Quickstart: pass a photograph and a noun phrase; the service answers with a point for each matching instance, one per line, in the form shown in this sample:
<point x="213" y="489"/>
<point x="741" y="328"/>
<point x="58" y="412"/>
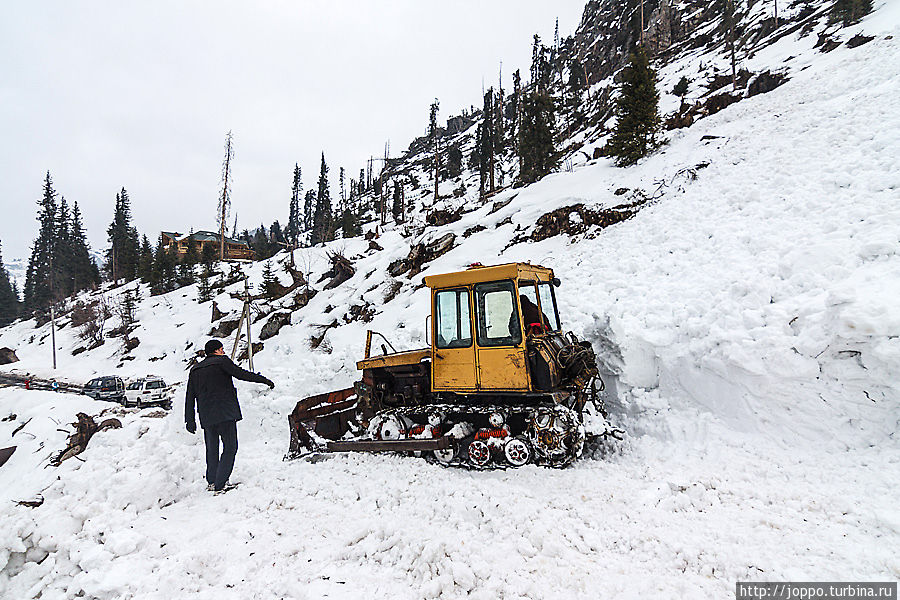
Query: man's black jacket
<point x="210" y="385"/>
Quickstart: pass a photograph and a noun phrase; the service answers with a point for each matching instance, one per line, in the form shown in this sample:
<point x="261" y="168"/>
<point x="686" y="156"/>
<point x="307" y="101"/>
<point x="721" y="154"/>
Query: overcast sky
<point x="115" y="94"/>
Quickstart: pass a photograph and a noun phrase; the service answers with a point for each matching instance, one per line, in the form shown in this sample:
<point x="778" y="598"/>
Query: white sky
<point x="111" y="94"/>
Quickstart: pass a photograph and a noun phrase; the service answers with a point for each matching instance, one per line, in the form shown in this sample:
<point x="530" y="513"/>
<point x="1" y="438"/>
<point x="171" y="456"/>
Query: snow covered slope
<point x="747" y="316"/>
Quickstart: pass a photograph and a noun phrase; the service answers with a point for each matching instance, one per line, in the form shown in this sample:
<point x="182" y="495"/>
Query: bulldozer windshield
<point x="497" y="314"/>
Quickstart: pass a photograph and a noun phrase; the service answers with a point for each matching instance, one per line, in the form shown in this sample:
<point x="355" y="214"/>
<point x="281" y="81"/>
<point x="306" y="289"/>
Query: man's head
<point x="214" y="347"/>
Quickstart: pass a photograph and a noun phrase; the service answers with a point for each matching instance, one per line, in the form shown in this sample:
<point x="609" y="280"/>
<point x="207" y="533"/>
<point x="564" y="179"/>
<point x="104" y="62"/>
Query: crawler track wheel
<point x="479" y="453"/>
<point x="518" y="452"/>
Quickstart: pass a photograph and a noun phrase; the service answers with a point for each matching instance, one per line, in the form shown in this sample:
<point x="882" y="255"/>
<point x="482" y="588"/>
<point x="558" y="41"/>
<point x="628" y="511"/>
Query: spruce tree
<point x="269" y="281"/>
<point x="309" y="209"/>
<point x="295" y="224"/>
<point x="145" y="263"/>
<point x="62" y="252"/>
<point x="83" y="270"/>
<point x="187" y="273"/>
<point x="537" y="149"/>
<point x="209" y="255"/>
<point x="40" y="263"/>
<point x="122" y="255"/>
<point x="349" y="224"/>
<point x="321" y="231"/>
<point x="9" y="298"/>
<point x="637" y="110"/>
<point x="204" y="288"/>
<point x="849" y="12"/>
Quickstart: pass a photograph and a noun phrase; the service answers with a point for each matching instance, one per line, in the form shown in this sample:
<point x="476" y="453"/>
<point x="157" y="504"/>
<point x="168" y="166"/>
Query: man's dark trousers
<point x="218" y="469"/>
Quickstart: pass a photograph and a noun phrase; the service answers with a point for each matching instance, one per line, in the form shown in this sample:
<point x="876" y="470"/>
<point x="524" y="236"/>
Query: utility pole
<point x="225" y="198"/>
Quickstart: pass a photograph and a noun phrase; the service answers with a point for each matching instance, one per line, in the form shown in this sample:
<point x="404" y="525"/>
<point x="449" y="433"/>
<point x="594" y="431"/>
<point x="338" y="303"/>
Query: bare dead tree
<point x="729" y="10"/>
<point x="225" y="196"/>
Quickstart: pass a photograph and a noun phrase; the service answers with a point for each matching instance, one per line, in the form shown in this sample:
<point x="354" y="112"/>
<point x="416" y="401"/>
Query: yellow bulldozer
<point x="499" y="384"/>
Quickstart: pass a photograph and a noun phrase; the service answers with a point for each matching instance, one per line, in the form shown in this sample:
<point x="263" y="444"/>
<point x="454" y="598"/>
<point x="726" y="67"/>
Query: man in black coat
<point x="210" y="385"/>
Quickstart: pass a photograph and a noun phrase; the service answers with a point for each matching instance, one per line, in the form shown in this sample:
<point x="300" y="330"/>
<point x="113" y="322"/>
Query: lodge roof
<point x="202" y="236"/>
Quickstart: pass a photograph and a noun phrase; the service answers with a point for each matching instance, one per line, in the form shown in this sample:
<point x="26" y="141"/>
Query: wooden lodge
<point x="234" y="249"/>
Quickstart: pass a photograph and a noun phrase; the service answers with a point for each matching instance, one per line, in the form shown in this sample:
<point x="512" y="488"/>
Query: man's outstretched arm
<point x="244" y="375"/>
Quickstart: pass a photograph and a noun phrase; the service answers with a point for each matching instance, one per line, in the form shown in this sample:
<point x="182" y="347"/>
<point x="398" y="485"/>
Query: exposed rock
<point x="765" y="82"/>
<point x="302" y="298"/>
<point x="216" y="313"/>
<point x="473" y="230"/>
<point x="373" y="245"/>
<point x="719" y="102"/>
<point x="257" y="348"/>
<point x="576" y="219"/>
<point x="826" y="43"/>
<point x="360" y="312"/>
<point x="438" y="218"/>
<point x="858" y="40"/>
<point x="131" y="343"/>
<point x="225" y="328"/>
<point x="274" y="324"/>
<point x="500" y="204"/>
<point x="341" y="270"/>
<point x="7" y="356"/>
<point x="421" y="253"/>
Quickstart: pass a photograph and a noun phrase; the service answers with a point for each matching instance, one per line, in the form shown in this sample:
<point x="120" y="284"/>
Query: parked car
<point x="146" y="391"/>
<point x="108" y="387"/>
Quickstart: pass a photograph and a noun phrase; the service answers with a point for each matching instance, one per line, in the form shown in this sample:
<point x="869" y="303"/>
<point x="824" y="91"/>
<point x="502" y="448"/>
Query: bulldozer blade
<point x="327" y="410"/>
<point x="390" y="445"/>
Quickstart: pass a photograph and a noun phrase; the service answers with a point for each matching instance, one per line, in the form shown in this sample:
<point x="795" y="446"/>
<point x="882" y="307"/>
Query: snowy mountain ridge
<point x="746" y="317"/>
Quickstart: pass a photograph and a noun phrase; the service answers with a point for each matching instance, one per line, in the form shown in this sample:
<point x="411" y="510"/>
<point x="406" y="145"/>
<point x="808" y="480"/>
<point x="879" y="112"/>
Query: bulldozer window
<point x="453" y="323"/>
<point x="497" y="316"/>
<point x="548" y="306"/>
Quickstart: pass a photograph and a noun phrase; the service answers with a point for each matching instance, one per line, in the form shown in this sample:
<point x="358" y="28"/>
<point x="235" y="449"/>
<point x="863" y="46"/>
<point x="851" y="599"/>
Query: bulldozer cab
<point x="481" y="320"/>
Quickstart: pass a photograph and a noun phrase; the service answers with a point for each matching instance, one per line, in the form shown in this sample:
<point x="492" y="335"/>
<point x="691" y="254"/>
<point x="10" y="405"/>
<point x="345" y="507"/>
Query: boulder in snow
<point x="7" y="356"/>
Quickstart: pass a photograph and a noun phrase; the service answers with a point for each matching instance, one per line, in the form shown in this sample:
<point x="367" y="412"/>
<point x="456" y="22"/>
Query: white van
<point x="147" y="391"/>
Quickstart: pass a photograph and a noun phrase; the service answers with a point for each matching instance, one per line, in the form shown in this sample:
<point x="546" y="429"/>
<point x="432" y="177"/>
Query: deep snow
<point x="749" y="316"/>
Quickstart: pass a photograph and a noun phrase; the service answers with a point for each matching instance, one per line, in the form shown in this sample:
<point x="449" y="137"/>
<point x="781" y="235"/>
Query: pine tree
<point x="276" y="236"/>
<point x="322" y="229"/>
<point x="349" y="224"/>
<point x="681" y="88"/>
<point x="187" y="266"/>
<point x="122" y="255"/>
<point x="270" y="283"/>
<point x="294" y="224"/>
<point x="260" y="243"/>
<point x="309" y="209"/>
<point x="83" y="271"/>
<point x="38" y="287"/>
<point x="637" y="110"/>
<point x="164" y="269"/>
<point x="537" y="149"/>
<point x="9" y="298"/>
<point x="486" y="143"/>
<point x="209" y="256"/>
<point x="849" y="12"/>
<point x="145" y="263"/>
<point x="204" y="289"/>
